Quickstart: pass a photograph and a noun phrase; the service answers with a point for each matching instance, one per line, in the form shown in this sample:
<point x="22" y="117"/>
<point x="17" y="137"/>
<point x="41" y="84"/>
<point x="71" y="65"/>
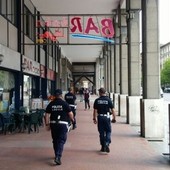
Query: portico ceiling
<point x="78" y="53"/>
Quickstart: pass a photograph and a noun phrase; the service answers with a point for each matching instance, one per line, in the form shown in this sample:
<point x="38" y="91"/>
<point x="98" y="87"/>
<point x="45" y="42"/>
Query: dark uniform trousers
<point x="74" y="113"/>
<point x="104" y="128"/>
<point x="59" y="136"/>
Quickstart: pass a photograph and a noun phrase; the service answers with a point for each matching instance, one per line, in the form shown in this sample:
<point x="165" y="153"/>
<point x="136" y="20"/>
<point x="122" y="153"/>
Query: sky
<point x="164" y="21"/>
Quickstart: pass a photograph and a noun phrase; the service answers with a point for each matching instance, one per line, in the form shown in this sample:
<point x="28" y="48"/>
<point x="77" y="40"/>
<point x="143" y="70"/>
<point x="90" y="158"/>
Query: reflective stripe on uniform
<point x="59" y="122"/>
<point x="102" y="114"/>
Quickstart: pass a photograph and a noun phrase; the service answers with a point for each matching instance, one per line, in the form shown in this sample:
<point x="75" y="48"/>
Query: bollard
<point x="169" y="131"/>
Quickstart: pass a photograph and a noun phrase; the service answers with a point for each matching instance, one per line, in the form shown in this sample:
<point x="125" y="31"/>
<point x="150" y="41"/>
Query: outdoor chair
<point x="7" y="122"/>
<point x="41" y="113"/>
<point x="19" y="121"/>
<point x="1" y="123"/>
<point x="22" y="109"/>
<point x="33" y="120"/>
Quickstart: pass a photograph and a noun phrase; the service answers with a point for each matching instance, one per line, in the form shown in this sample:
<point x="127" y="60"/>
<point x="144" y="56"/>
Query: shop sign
<point x="30" y="66"/>
<point x="50" y="74"/>
<point x="101" y="30"/>
<point x="42" y="71"/>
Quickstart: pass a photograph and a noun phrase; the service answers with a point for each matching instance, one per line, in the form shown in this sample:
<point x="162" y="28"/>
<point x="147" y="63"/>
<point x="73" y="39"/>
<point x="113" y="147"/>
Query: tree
<point x="165" y="73"/>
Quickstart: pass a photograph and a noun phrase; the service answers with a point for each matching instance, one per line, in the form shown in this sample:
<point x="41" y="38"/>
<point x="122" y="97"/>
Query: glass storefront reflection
<point x="7" y="93"/>
<point x="27" y="90"/>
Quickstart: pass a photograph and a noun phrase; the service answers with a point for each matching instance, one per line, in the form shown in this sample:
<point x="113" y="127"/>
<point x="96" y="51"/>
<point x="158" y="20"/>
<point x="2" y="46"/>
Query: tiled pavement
<point x="22" y="151"/>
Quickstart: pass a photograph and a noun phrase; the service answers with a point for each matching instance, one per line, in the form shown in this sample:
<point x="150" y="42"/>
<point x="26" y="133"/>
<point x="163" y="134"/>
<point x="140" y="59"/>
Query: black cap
<point x="58" y="92"/>
<point x="102" y="90"/>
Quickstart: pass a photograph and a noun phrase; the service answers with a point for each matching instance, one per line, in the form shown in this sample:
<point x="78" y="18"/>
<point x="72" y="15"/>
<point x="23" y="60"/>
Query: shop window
<point x="7" y="93"/>
<point x="35" y="92"/>
<point x="29" y="24"/>
<point x="48" y="88"/>
<point x="27" y="90"/>
<point x="11" y="11"/>
<point x="8" y="10"/>
<point x="3" y="7"/>
<point x="30" y="90"/>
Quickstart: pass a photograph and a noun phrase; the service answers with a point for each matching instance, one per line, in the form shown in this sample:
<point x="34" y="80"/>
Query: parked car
<point x="167" y="90"/>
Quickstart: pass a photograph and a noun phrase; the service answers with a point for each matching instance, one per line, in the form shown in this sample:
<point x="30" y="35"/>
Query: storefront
<point x="9" y="79"/>
<point x="51" y="83"/>
<point x="43" y="82"/>
<point x="7" y="92"/>
<point x="31" y="80"/>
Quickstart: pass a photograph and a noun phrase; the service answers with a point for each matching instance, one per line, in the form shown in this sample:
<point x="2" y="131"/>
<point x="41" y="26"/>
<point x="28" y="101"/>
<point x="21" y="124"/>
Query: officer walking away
<point x="103" y="107"/>
<point x="81" y="94"/>
<point x="70" y="98"/>
<point x="87" y="99"/>
<point x="57" y="117"/>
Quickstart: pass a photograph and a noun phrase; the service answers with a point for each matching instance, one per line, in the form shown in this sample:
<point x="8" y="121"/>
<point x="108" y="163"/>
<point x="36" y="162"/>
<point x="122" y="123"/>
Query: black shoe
<point x="103" y="149"/>
<point x="57" y="161"/>
<point x="107" y="149"/>
<point x="74" y="126"/>
<point x="113" y="121"/>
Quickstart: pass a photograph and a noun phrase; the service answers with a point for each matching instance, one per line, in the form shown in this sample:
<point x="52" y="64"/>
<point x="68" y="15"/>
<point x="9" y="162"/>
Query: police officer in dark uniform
<point x="103" y="108"/>
<point x="70" y="98"/>
<point x="58" y="116"/>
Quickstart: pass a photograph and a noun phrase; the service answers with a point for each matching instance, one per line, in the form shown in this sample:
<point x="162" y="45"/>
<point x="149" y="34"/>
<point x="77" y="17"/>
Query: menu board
<point x="36" y="103"/>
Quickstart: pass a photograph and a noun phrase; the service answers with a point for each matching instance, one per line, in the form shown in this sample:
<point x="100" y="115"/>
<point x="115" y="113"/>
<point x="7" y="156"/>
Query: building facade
<point x="164" y="53"/>
<point x="27" y="70"/>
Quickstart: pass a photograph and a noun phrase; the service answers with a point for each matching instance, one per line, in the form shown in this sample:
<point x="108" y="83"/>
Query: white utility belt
<point x="102" y="115"/>
<point x="106" y="115"/>
<point x="59" y="122"/>
<point x="72" y="105"/>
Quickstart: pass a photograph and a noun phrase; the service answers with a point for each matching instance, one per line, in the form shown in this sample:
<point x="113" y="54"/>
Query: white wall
<point x="3" y="31"/>
<point x="42" y="56"/>
<point x="13" y="37"/>
<point x="29" y="49"/>
<point x="11" y="58"/>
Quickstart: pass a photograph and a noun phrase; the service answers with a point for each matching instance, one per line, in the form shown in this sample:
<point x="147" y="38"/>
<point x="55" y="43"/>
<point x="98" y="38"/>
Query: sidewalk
<point x="34" y="151"/>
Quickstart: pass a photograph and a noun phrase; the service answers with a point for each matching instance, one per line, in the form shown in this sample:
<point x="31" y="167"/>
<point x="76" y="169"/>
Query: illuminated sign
<point x="50" y="74"/>
<point x="78" y="27"/>
<point x="31" y="66"/>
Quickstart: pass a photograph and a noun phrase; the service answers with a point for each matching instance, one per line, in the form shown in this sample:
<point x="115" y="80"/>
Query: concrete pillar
<point x="134" y="57"/>
<point x="100" y="70"/>
<point x="123" y="55"/>
<point x="105" y="66"/>
<point x="108" y="71"/>
<point x="116" y="103"/>
<point x="133" y="110"/>
<point x="123" y="105"/>
<point x="150" y="49"/>
<point x="116" y="61"/>
<point x="112" y="78"/>
<point x="98" y="78"/>
<point x="124" y="76"/>
<point x="152" y="119"/>
<point x="99" y="73"/>
<point x="116" y="70"/>
<point x="123" y="65"/>
<point x="152" y="124"/>
<point x="134" y="61"/>
<point x="64" y="74"/>
<point x="102" y="75"/>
